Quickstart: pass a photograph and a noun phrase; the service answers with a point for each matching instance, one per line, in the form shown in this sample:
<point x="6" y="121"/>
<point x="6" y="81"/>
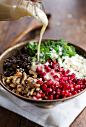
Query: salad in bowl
<point x="59" y="75"/>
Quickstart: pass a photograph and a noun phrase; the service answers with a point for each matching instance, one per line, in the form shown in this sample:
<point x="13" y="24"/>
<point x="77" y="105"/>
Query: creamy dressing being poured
<point x="41" y="16"/>
<point x="15" y="9"/>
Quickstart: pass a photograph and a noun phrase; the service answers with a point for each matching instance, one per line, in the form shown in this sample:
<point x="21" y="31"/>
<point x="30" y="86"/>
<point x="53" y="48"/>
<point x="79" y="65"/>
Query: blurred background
<point x="68" y="21"/>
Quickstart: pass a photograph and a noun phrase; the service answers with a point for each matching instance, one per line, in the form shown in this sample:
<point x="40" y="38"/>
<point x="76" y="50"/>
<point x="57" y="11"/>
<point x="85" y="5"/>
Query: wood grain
<point x="68" y="21"/>
<point x="35" y="24"/>
<point x="27" y="123"/>
<point x="8" y="118"/>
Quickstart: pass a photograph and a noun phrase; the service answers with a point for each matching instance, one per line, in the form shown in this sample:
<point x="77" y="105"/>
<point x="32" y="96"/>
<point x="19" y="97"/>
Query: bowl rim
<point x="26" y="98"/>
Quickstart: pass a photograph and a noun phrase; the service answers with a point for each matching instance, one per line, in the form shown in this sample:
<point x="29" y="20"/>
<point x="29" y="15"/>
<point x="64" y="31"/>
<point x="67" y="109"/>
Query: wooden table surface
<point x="68" y="20"/>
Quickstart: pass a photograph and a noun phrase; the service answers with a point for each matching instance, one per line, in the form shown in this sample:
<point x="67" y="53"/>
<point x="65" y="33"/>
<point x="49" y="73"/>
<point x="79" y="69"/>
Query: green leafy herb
<point x="50" y="50"/>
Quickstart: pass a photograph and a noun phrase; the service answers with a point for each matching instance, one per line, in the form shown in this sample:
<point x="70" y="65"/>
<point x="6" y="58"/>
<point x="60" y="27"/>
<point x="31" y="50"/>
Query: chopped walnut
<point x="34" y="75"/>
<point x="22" y="84"/>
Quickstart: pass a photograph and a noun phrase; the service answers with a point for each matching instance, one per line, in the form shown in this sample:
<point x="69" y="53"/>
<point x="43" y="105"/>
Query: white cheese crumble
<point x="47" y="63"/>
<point x="41" y="66"/>
<point x="53" y="54"/>
<point x="34" y="66"/>
<point x="60" y="48"/>
<point x="76" y="64"/>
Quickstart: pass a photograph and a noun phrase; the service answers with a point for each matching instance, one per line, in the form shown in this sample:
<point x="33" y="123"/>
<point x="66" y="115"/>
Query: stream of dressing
<point x="13" y="10"/>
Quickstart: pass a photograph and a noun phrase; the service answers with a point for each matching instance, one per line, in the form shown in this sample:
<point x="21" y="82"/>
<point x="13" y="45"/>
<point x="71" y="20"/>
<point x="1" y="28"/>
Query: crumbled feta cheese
<point x="34" y="66"/>
<point x="76" y="64"/>
<point x="54" y="54"/>
<point x="60" y="48"/>
<point x="60" y="53"/>
<point x="47" y="63"/>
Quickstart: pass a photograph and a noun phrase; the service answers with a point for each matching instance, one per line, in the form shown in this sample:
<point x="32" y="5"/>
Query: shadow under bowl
<point x="40" y="103"/>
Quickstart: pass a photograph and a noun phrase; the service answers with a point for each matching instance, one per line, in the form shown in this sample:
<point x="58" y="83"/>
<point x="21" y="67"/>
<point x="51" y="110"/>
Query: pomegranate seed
<point x="38" y="96"/>
<point x="45" y="66"/>
<point x="67" y="72"/>
<point x="44" y="87"/>
<point x="61" y="70"/>
<point x="52" y="93"/>
<point x="66" y="93"/>
<point x="78" y="91"/>
<point x="64" y="88"/>
<point x="70" y="94"/>
<point x="50" y="82"/>
<point x="53" y="89"/>
<point x="64" y="96"/>
<point x="44" y="78"/>
<point x="56" y="79"/>
<point x="58" y="93"/>
<point x="69" y="78"/>
<point x="46" y="93"/>
<point x="84" y="80"/>
<point x="37" y="69"/>
<point x="56" y="84"/>
<point x="49" y="90"/>
<point x="62" y="82"/>
<point x="50" y="97"/>
<point x="71" y="89"/>
<point x="61" y="76"/>
<point x="82" y="86"/>
<point x="74" y="84"/>
<point x="77" y="87"/>
<point x="74" y="92"/>
<point x="34" y="98"/>
<point x="81" y="89"/>
<point x="40" y="72"/>
<point x="43" y="95"/>
<point x="79" y="83"/>
<point x="75" y="80"/>
<point x="63" y="92"/>
<point x="57" y="90"/>
<point x="57" y="69"/>
<point x="48" y="69"/>
<point x="66" y="75"/>
<point x="41" y="67"/>
<point x="54" y="62"/>
<point x="65" y="78"/>
<point x="56" y="96"/>
<point x="60" y="86"/>
<point x="54" y="66"/>
<point x="64" y="72"/>
<point x="73" y="76"/>
<point x="49" y="61"/>
<point x="85" y="83"/>
<point x="53" y="86"/>
<point x="67" y="85"/>
<point x="43" y="73"/>
<point x="39" y="82"/>
<point x="71" y="85"/>
<point x="78" y="80"/>
<point x="55" y="76"/>
<point x="52" y="72"/>
<point x="40" y="76"/>
<point x="69" y="81"/>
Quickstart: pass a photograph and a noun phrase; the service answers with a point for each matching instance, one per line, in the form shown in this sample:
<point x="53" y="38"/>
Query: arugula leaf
<point x="32" y="48"/>
<point x="61" y="49"/>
